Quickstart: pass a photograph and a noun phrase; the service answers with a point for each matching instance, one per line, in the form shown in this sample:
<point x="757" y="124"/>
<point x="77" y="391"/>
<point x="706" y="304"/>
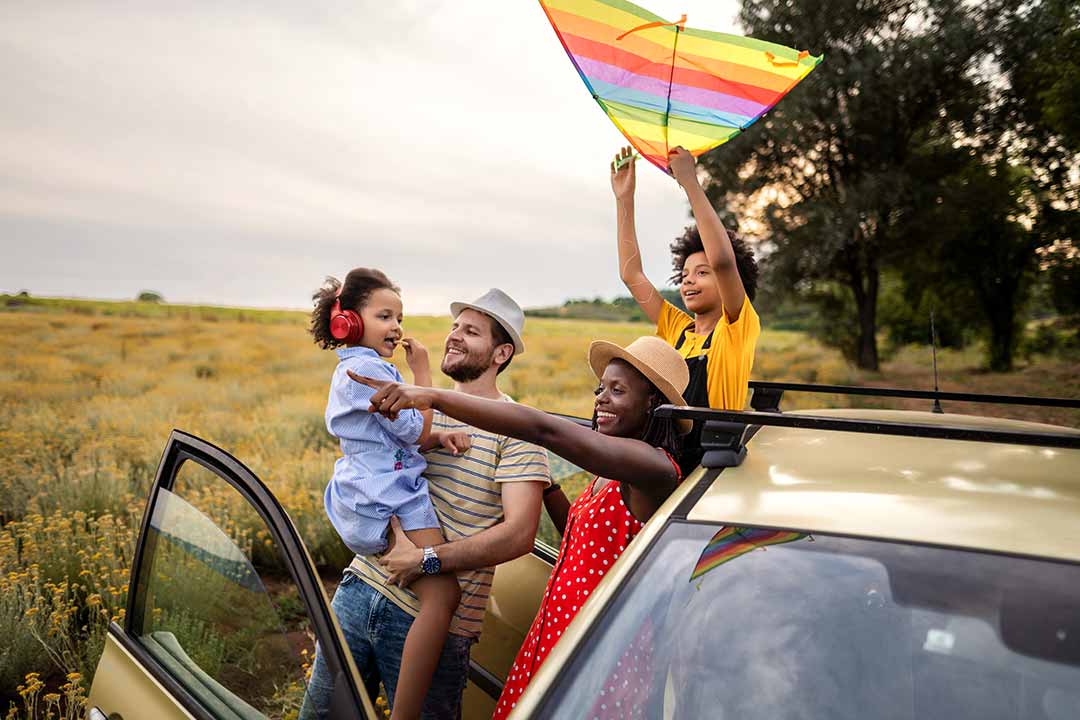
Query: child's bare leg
<point x="439" y="596"/>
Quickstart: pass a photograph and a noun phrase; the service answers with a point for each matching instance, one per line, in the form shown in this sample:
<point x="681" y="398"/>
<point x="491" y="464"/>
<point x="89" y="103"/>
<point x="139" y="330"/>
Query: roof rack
<point x="767" y="395"/>
<point x="726" y="432"/>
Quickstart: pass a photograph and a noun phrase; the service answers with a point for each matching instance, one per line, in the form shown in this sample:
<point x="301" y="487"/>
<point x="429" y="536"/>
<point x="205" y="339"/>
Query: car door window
<point x="217" y="604"/>
<point x="573" y="480"/>
<point x="231" y="634"/>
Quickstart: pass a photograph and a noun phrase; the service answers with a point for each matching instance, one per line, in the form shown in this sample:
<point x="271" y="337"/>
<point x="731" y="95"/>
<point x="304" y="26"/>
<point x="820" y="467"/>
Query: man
<point x="488" y="500"/>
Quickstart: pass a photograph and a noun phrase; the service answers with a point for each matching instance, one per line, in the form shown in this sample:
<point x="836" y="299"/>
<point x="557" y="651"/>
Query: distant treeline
<point x="24" y="302"/>
<point x="620" y="309"/>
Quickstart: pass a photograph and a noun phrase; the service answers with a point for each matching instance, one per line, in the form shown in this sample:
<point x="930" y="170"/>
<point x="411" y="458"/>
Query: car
<point x="820" y="564"/>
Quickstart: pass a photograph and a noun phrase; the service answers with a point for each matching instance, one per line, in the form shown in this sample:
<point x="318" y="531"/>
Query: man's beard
<point x="468" y="369"/>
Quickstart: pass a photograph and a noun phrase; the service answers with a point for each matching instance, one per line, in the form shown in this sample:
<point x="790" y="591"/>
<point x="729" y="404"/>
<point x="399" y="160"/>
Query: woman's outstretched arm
<point x="625" y="460"/>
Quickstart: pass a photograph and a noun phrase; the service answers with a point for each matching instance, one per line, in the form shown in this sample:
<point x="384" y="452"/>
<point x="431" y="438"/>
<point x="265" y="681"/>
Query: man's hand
<point x="623" y="179"/>
<point x="402" y="560"/>
<point x="455" y="441"/>
<point x="390" y="398"/>
<point x="416" y="355"/>
<point x="683" y="167"/>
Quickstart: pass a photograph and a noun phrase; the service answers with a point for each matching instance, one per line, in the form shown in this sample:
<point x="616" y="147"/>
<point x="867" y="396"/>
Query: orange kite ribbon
<point x="681" y="22"/>
<point x="786" y="63"/>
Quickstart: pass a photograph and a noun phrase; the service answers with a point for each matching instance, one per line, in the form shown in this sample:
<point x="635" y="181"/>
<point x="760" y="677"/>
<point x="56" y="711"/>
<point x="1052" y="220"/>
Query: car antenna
<point x="933" y="349"/>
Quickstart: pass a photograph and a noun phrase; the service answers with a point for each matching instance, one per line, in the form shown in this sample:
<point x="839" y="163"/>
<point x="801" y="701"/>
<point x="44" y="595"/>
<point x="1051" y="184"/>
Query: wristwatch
<point x="430" y="565"/>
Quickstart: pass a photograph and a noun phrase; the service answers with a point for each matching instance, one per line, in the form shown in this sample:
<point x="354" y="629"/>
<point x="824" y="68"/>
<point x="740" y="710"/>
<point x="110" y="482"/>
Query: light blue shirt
<point x="379" y="472"/>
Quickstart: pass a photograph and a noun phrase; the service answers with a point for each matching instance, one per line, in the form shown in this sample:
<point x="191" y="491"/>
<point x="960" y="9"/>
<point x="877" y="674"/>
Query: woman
<point x="632" y="452"/>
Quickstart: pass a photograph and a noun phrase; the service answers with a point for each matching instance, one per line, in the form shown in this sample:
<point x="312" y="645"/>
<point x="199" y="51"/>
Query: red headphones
<point x="345" y="325"/>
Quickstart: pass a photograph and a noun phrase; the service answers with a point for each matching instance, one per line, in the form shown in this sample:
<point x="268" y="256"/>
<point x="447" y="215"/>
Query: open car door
<point x="224" y="606"/>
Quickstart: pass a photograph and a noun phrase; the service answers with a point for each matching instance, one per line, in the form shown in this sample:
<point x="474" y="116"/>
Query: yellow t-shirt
<point x="730" y="356"/>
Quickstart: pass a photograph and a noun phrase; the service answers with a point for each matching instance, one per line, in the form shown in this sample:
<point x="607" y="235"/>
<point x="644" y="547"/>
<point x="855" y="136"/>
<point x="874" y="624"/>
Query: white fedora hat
<point x="500" y="306"/>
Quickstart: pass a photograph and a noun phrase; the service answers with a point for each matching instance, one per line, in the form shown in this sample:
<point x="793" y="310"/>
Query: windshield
<point x="723" y="622"/>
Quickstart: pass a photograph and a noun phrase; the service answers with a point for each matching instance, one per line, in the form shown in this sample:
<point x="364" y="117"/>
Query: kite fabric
<point x="664" y="84"/>
<point x="731" y="542"/>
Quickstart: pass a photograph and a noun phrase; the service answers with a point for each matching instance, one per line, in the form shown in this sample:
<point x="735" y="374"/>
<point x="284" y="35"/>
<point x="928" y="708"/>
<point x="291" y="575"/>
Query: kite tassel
<point x="681" y="22"/>
<point x="786" y="63"/>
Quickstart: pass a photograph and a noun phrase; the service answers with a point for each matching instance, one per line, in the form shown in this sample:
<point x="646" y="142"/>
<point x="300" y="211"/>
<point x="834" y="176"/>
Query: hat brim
<point x="602" y="352"/>
<point x="519" y="346"/>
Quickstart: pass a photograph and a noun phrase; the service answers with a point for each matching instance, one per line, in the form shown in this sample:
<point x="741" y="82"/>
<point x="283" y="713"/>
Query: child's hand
<point x="416" y="354"/>
<point x="683" y="167"/>
<point x="623" y="179"/>
<point x="456" y="442"/>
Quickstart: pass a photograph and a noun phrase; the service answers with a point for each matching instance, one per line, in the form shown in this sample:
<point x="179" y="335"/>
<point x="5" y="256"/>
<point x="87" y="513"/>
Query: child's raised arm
<point x="718" y="249"/>
<point x="623" y="182"/>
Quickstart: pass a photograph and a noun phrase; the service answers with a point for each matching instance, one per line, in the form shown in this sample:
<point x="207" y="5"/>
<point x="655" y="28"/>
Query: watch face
<point x="431" y="564"/>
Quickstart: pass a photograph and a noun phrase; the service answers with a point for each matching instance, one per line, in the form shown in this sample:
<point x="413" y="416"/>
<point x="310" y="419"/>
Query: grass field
<point x="89" y="391"/>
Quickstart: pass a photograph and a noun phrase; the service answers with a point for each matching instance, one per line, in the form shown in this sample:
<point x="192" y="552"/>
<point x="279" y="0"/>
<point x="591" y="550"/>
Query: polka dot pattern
<point x="598" y="529"/>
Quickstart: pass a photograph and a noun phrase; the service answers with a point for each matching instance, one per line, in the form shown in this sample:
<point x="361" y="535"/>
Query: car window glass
<point x="791" y="625"/>
<point x="217" y="609"/>
<point x="573" y="480"/>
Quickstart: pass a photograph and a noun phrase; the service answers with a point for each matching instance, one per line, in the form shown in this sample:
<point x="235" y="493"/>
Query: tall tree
<point x="1035" y="118"/>
<point x="970" y="220"/>
<point x="832" y="162"/>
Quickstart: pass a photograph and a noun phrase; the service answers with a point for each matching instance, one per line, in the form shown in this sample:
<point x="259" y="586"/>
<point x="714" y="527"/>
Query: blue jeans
<point x="375" y="631"/>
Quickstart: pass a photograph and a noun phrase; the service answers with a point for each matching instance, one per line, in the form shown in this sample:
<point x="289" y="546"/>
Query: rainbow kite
<point x="731" y="542"/>
<point x="664" y="84"/>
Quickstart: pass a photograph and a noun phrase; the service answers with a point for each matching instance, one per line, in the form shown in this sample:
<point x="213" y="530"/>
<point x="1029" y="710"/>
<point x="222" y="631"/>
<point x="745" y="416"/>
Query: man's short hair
<point x="501" y="337"/>
<point x="690" y="242"/>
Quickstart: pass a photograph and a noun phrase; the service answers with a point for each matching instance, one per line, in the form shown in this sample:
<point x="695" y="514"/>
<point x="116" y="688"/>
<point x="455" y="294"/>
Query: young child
<point x="717" y="277"/>
<point x="379" y="473"/>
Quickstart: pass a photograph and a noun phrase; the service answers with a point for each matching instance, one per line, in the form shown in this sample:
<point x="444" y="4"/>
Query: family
<point x="434" y="488"/>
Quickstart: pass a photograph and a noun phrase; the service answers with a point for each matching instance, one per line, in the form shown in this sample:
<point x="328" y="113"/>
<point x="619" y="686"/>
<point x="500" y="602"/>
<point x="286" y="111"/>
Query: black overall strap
<point x="682" y="338"/>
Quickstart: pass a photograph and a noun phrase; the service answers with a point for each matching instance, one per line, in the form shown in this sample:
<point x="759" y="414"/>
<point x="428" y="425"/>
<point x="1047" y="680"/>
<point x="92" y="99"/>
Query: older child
<point x="379" y="474"/>
<point x="717" y="277"/>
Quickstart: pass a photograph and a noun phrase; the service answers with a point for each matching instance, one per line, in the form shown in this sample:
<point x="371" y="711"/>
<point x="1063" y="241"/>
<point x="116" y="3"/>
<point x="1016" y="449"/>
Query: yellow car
<point x="826" y="564"/>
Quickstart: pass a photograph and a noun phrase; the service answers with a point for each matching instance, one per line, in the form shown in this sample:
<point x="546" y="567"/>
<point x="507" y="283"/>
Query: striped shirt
<point x="467" y="497"/>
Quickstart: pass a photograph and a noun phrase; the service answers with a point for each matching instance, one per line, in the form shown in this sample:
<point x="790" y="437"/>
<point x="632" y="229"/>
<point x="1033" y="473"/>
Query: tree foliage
<point x="933" y="146"/>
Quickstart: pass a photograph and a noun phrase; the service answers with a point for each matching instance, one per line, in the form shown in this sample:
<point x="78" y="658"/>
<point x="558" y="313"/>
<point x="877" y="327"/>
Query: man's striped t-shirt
<point x="467" y="497"/>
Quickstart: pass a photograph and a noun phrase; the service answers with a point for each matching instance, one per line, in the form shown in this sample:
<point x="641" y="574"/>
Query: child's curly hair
<point x="690" y="242"/>
<point x="354" y="294"/>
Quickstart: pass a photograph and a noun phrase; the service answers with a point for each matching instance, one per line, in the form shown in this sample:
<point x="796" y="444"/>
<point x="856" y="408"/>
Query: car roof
<point x="1005" y="498"/>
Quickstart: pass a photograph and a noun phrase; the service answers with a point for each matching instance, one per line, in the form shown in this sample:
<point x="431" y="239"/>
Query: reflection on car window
<point x="217" y="609"/>
<point x="756" y="623"/>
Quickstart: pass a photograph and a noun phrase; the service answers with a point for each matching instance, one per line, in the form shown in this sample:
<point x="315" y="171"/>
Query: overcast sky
<point x="236" y="153"/>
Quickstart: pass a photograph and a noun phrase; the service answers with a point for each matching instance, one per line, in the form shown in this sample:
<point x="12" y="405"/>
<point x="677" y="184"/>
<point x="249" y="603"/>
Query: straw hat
<point x="653" y="358"/>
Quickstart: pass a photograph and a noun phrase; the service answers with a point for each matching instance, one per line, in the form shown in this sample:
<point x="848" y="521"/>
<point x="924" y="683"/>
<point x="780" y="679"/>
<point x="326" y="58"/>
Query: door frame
<point x="182" y="447"/>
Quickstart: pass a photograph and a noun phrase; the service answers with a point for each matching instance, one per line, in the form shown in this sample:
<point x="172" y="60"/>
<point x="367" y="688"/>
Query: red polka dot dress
<point x="598" y="529"/>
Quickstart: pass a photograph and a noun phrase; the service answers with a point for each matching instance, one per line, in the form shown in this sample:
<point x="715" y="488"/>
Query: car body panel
<point x="516" y="592"/>
<point x="1005" y="498"/>
<point x="124" y="688"/>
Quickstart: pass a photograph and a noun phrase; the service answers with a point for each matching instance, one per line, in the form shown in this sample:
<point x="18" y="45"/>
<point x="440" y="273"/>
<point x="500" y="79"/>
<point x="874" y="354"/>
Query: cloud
<point x="173" y="147"/>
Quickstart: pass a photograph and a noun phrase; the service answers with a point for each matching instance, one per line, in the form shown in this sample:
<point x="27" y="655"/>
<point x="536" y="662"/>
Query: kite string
<point x="671" y="79"/>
